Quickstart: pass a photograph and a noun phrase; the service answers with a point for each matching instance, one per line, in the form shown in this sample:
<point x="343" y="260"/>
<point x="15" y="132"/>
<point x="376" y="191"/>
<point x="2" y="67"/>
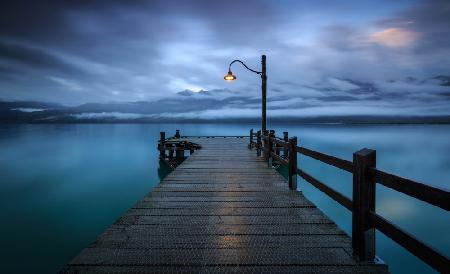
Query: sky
<point x="323" y="57"/>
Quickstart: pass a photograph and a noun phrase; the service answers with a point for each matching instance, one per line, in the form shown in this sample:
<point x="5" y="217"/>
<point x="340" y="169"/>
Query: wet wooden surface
<point x="222" y="210"/>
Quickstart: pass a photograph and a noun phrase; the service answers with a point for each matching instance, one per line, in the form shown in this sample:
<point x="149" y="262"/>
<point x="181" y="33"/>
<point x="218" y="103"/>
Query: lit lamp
<point x="231" y="77"/>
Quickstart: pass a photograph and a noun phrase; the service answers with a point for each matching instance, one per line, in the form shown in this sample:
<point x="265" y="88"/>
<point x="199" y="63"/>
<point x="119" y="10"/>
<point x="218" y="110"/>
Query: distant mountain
<point x="41" y="112"/>
<point x="232" y="106"/>
<point x="186" y="92"/>
<point x="149" y="112"/>
<point x="27" y="104"/>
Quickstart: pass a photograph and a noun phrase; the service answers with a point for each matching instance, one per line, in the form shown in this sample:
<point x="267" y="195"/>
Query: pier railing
<point x="365" y="220"/>
<point x="172" y="149"/>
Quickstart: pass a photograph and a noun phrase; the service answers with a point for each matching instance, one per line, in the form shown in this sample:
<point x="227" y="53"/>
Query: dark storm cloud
<point x="6" y="71"/>
<point x="98" y="30"/>
<point x="322" y="56"/>
<point x="32" y="57"/>
<point x="445" y="94"/>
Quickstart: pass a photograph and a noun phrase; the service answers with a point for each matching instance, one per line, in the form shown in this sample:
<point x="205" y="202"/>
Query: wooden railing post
<point x="177" y="134"/>
<point x="250" y="145"/>
<point x="363" y="234"/>
<point x="270" y="147"/>
<point x="265" y="145"/>
<point x="292" y="163"/>
<point x="162" y="149"/>
<point x="286" y="139"/>
<point x="258" y="143"/>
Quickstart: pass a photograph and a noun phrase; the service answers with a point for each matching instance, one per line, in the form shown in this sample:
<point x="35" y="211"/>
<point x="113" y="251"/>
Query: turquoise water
<point x="62" y="185"/>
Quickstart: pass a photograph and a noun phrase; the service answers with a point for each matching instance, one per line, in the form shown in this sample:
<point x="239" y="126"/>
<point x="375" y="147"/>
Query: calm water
<point x="62" y="185"/>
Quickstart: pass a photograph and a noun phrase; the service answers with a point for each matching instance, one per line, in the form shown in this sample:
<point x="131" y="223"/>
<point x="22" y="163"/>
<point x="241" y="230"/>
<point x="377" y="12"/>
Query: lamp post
<point x="231" y="77"/>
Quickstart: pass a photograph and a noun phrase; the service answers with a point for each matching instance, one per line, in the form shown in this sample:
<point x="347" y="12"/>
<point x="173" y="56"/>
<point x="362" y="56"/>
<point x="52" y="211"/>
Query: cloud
<point x="341" y="84"/>
<point x="70" y="84"/>
<point x="319" y="54"/>
<point x="180" y="84"/>
<point x="394" y="37"/>
<point x="28" y="109"/>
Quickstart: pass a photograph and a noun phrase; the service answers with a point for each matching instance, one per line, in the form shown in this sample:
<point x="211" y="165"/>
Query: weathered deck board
<point x="222" y="214"/>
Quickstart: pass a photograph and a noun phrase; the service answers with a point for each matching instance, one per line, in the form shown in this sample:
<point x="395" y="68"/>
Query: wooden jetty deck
<point x="222" y="210"/>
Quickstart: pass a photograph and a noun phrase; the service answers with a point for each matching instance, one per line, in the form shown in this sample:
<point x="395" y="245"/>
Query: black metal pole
<point x="263" y="86"/>
<point x="264" y="92"/>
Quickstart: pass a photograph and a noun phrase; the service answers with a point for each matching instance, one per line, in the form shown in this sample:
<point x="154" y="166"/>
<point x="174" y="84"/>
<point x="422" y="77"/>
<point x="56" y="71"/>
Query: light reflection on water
<point x="62" y="185"/>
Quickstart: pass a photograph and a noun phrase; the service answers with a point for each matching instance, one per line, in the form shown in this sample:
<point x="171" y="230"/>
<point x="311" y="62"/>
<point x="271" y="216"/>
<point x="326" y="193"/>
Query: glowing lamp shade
<point x="229" y="76"/>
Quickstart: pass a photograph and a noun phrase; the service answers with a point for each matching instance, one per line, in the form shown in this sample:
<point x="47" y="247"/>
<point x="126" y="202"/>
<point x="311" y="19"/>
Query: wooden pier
<point x="224" y="209"/>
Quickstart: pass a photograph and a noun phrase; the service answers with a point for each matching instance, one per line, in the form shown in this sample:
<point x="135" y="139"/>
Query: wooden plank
<point x="177" y="231"/>
<point x="226" y="211"/>
<point x="217" y="241"/>
<point x="166" y="203"/>
<point x="239" y="256"/>
<point x="222" y="210"/>
<point x="218" y="219"/>
<point x="281" y="269"/>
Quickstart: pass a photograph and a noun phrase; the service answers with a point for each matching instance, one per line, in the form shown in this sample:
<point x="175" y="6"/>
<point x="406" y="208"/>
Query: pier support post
<point x="258" y="143"/>
<point x="363" y="234"/>
<point x="162" y="149"/>
<point x="286" y="139"/>
<point x="250" y="145"/>
<point x="171" y="152"/>
<point x="276" y="147"/>
<point x="292" y="163"/>
<point x="265" y="144"/>
<point x="179" y="152"/>
<point x="270" y="147"/>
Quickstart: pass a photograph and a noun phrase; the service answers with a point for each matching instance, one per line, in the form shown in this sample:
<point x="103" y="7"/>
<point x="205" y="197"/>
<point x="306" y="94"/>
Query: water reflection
<point x="163" y="170"/>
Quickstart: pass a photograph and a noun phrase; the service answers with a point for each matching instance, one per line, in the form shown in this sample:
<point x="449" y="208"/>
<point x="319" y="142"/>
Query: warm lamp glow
<point x="229" y="76"/>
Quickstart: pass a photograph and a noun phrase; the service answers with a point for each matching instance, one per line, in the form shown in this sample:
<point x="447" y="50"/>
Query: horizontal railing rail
<point x="362" y="205"/>
<point x="206" y="136"/>
<point x="433" y="195"/>
<point x="279" y="159"/>
<point x="335" y="195"/>
<point x="280" y="142"/>
<point x="426" y="253"/>
<point x="331" y="160"/>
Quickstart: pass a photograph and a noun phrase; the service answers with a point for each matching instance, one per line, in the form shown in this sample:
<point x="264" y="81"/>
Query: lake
<point x="62" y="185"/>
